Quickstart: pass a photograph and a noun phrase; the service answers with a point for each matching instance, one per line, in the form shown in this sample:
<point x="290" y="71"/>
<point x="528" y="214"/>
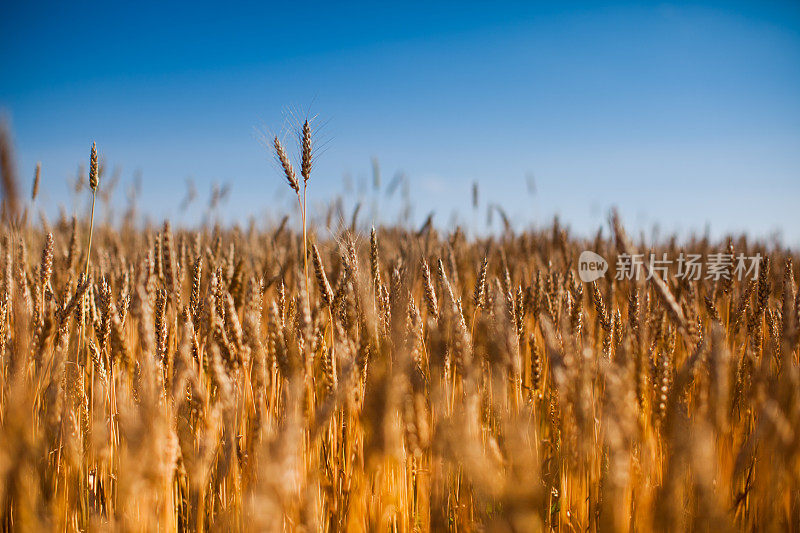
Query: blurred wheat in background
<point x="167" y="379"/>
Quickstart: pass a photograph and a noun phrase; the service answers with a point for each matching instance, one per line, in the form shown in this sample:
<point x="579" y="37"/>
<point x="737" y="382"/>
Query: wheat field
<point x="275" y="379"/>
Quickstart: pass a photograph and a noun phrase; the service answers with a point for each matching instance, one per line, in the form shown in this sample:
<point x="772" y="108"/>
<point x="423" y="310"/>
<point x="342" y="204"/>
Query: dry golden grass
<point x="200" y="380"/>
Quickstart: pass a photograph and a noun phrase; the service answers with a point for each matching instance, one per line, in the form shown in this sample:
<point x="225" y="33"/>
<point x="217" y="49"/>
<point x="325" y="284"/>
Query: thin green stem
<point x="91" y="231"/>
<point x="86" y="271"/>
<point x="305" y="240"/>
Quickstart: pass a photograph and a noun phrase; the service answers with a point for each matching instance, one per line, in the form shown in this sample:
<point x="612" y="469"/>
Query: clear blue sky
<point x="684" y="115"/>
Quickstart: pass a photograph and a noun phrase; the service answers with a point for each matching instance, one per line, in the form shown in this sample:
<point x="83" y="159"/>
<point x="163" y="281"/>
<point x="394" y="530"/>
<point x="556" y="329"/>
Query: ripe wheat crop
<point x="274" y="379"/>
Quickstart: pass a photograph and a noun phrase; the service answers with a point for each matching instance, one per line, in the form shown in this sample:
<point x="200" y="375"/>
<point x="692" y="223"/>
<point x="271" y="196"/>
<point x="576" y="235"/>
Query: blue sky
<point x="685" y="115"/>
